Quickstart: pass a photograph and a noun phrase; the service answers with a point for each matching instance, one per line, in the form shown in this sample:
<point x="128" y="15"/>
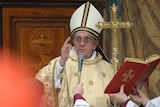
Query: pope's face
<point x="84" y="43"/>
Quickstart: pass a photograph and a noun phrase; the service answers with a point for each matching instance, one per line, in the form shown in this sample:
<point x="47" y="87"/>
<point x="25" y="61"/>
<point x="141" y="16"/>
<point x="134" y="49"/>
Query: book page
<point x="152" y="58"/>
<point x="135" y="60"/>
<point x="149" y="59"/>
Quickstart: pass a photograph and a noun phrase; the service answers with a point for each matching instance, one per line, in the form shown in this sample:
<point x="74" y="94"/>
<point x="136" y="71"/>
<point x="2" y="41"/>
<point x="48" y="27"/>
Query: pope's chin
<point x="81" y="53"/>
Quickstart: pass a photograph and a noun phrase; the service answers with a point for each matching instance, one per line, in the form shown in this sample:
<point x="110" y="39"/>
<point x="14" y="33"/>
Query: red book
<point x="133" y="73"/>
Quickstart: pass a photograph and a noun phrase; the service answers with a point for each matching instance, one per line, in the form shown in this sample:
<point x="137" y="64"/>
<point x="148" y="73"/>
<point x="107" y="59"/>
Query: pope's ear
<point x="96" y="44"/>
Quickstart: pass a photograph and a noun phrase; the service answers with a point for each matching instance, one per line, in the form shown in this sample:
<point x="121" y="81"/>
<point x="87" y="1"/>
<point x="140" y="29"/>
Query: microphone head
<point x="80" y="62"/>
<point x="80" y="57"/>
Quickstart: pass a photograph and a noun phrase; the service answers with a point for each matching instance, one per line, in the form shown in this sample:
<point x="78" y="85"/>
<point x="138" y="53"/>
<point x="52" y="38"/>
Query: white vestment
<point x="96" y="75"/>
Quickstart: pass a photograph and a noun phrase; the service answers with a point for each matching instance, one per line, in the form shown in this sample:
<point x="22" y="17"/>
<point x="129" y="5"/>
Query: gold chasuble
<point x="96" y="75"/>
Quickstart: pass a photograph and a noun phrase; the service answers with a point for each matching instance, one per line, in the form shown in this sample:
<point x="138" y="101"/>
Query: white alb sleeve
<point x="81" y="103"/>
<point x="58" y="73"/>
<point x="154" y="102"/>
<point x="131" y="104"/>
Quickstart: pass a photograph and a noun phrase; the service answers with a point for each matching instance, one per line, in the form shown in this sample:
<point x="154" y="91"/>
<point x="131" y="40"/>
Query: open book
<point x="133" y="73"/>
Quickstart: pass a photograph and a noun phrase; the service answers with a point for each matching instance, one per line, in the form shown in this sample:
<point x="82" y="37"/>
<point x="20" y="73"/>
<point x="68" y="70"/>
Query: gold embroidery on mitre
<point x="128" y="75"/>
<point x="85" y="14"/>
<point x="93" y="32"/>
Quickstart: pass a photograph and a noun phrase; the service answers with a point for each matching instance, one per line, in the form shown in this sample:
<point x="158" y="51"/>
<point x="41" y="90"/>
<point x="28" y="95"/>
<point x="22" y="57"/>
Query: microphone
<point x="80" y="62"/>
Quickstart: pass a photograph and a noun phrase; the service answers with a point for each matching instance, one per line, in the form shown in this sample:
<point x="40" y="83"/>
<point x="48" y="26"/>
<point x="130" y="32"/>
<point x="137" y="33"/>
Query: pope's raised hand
<point x="65" y="51"/>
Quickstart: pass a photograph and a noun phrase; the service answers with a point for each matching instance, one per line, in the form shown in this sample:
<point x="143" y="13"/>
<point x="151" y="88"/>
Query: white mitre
<point x="85" y="18"/>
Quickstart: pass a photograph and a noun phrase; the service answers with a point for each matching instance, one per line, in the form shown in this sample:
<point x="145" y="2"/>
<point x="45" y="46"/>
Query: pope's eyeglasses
<point x="85" y="40"/>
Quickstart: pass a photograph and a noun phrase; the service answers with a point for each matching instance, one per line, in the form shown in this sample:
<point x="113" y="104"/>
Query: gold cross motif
<point x="128" y="75"/>
<point x="115" y="25"/>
